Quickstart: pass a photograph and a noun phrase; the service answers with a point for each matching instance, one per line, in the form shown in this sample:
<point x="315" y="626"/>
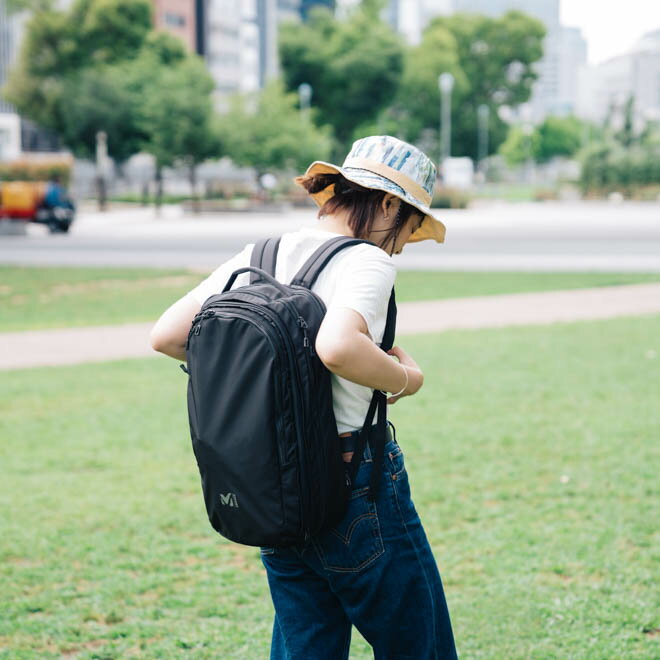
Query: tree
<point x="626" y="136"/>
<point x="65" y="81"/>
<point x="266" y="132"/>
<point x="520" y="146"/>
<point x="177" y="118"/>
<point x="492" y="60"/>
<point x="555" y="136"/>
<point x="354" y="65"/>
<point x="559" y="136"/>
<point x="417" y="105"/>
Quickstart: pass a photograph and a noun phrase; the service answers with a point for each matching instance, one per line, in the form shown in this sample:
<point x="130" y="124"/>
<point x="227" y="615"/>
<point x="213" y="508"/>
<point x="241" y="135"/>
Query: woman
<point x="375" y="569"/>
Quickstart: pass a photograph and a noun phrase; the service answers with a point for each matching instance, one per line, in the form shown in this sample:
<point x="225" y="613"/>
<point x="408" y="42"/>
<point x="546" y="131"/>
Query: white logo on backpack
<point x="228" y="499"/>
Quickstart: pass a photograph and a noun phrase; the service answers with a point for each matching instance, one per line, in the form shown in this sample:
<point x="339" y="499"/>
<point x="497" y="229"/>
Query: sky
<point x="610" y="26"/>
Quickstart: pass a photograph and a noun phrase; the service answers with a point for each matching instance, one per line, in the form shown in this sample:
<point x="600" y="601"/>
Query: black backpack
<point x="260" y="409"/>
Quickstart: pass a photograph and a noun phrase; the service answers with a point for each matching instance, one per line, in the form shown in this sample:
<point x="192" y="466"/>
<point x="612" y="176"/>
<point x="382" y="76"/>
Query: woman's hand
<point x="415" y="375"/>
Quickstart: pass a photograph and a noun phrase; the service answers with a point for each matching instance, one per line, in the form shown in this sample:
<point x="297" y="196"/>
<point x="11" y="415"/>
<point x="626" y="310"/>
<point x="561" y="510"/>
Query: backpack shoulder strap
<point x="390" y="324"/>
<point x="312" y="268"/>
<point x="264" y="256"/>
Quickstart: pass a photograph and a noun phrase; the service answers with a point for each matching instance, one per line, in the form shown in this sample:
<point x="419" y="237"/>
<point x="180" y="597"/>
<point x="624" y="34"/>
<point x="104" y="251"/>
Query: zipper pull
<point x="306" y="343"/>
<point x="198" y="328"/>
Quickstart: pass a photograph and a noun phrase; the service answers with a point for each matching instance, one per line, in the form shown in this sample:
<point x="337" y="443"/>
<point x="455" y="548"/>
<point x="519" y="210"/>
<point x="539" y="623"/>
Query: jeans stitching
<point x="375" y="529"/>
<point x="349" y="532"/>
<point x="426" y="579"/>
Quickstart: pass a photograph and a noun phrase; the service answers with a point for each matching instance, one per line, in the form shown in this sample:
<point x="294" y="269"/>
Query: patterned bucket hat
<point x="386" y="163"/>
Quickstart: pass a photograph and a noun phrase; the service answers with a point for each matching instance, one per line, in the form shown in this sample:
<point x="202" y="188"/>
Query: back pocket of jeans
<point x="356" y="541"/>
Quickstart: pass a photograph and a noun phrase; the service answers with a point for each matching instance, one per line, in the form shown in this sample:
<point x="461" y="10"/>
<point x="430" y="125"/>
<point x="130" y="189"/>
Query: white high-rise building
<point x="241" y="42"/>
<point x="233" y="47"/>
<point x="606" y="87"/>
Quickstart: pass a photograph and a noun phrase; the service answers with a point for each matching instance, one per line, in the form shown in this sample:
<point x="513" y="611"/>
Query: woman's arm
<point x="344" y="346"/>
<point x="170" y="333"/>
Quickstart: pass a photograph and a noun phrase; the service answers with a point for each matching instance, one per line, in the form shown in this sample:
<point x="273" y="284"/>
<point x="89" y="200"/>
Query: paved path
<point x="98" y="344"/>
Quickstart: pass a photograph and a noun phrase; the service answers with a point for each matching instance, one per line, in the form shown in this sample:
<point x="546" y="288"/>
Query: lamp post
<point x="305" y="94"/>
<point x="483" y="113"/>
<point x="446" y="84"/>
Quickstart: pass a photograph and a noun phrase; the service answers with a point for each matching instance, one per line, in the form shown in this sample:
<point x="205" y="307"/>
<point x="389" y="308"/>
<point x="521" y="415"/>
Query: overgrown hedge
<point x="609" y="166"/>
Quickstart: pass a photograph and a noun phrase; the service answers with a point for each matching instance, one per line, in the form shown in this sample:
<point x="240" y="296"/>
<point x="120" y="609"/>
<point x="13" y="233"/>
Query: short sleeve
<point x="217" y="280"/>
<point x="365" y="284"/>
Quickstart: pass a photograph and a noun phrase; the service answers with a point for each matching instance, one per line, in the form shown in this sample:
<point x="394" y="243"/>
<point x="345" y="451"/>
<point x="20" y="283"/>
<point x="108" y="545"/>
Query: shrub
<point x="25" y="170"/>
<point x="450" y="198"/>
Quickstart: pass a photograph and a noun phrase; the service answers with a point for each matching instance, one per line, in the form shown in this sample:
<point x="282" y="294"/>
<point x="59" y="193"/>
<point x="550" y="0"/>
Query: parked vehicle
<point x="37" y="201"/>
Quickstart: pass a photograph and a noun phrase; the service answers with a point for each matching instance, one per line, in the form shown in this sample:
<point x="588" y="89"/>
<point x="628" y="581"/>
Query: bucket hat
<point x="383" y="162"/>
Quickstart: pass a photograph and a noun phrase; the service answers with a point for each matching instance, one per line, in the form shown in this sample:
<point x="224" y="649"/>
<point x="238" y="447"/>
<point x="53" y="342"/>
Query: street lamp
<point x="305" y="94"/>
<point x="446" y="83"/>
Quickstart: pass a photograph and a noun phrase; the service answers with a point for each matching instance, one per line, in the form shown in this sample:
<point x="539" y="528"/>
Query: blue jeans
<point x="375" y="570"/>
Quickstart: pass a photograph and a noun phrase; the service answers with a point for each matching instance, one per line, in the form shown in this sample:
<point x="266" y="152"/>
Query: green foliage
<point x="559" y="136"/>
<point x="623" y="160"/>
<point x="353" y="65"/>
<point x="35" y="171"/>
<point x="492" y="61"/>
<point x="14" y="6"/>
<point x="626" y="135"/>
<point x="177" y="113"/>
<point x="555" y="136"/>
<point x="265" y="131"/>
<point x="520" y="145"/>
<point x="99" y="66"/>
<point x="417" y="105"/>
<point x="450" y="198"/>
<point x="609" y="166"/>
<point x="100" y="99"/>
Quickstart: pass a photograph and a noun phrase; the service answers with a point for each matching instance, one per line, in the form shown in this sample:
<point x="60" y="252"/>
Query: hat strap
<point x="410" y="186"/>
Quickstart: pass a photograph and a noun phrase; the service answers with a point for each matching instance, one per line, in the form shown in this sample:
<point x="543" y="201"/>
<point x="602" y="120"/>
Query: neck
<point x="337" y="223"/>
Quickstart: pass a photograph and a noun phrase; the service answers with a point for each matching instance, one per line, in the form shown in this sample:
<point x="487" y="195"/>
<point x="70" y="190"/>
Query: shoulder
<point x="369" y="253"/>
<point x="367" y="257"/>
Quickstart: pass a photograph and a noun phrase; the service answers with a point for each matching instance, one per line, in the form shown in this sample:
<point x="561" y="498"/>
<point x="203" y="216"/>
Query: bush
<point x="25" y="170"/>
<point x="608" y="165"/>
<point x="450" y="198"/>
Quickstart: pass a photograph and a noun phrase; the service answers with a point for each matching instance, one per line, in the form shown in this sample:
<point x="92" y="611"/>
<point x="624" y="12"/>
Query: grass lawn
<point x="533" y="461"/>
<point x="35" y="298"/>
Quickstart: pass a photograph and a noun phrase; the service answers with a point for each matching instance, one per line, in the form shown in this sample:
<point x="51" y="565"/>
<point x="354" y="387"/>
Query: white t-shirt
<point x="360" y="277"/>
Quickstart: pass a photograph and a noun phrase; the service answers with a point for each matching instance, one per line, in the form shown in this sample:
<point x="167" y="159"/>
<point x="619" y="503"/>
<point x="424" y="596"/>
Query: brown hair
<point x="361" y="203"/>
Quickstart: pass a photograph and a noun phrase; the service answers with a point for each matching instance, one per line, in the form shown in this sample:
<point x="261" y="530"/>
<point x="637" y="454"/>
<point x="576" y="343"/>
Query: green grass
<point x="36" y="298"/>
<point x="413" y="285"/>
<point x="533" y="461"/>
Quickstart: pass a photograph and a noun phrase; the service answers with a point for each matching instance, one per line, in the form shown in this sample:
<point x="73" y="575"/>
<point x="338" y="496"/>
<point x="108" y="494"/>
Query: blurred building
<point x="606" y="87"/>
<point x="178" y="17"/>
<point x="241" y="40"/>
<point x="433" y="8"/>
<point x="565" y="51"/>
<point x="17" y="135"/>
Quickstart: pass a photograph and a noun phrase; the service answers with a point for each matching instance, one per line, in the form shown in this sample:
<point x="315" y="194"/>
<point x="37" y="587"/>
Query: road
<point x="549" y="236"/>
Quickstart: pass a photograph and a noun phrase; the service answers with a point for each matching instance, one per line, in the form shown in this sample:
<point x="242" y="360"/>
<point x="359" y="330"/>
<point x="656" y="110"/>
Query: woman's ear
<point x="387" y="203"/>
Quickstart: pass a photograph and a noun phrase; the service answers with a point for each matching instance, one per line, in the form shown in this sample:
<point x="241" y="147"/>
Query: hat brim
<point x="430" y="229"/>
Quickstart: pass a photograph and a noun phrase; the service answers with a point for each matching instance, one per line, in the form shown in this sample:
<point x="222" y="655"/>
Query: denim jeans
<point x="375" y="570"/>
